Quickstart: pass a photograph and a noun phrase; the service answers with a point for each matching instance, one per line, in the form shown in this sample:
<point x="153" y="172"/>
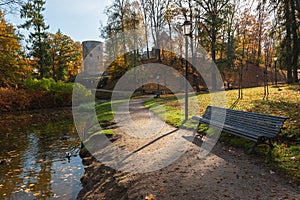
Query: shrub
<point x="13" y="100"/>
<point x="44" y="84"/>
<point x="48" y="84"/>
<point x="39" y="94"/>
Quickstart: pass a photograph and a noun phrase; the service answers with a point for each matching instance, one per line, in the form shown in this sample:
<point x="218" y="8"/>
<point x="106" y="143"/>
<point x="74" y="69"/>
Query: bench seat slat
<point x="245" y="119"/>
<point x="274" y="121"/>
<point x="218" y="109"/>
<point x="261" y="121"/>
<point x="261" y="124"/>
<point x="250" y="123"/>
<point x="257" y="126"/>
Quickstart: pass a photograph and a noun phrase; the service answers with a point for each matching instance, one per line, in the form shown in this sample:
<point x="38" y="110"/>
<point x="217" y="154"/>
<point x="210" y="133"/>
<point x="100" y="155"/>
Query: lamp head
<point x="187" y="28"/>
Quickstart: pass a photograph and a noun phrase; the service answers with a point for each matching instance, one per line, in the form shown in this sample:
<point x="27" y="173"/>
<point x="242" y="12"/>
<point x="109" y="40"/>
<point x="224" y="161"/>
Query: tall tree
<point x="212" y="22"/>
<point x="116" y="25"/>
<point x="13" y="66"/>
<point x="144" y="9"/>
<point x="288" y="17"/>
<point x="296" y="40"/>
<point x="32" y="11"/>
<point x="261" y="10"/>
<point x="65" y="56"/>
<point x="157" y="12"/>
<point x="288" y="40"/>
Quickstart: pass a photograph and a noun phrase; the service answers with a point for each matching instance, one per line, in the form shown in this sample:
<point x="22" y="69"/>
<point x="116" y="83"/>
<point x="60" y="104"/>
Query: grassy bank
<point x="105" y="116"/>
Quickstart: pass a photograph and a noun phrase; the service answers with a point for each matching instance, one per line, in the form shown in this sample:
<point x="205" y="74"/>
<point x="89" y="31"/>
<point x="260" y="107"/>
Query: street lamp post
<point x="266" y="85"/>
<point x="135" y="51"/>
<point x="158" y="91"/>
<point x="187" y="28"/>
<point x="275" y="60"/>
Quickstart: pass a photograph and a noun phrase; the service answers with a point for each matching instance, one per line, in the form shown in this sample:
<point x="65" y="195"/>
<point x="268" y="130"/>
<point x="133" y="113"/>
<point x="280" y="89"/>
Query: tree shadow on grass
<point x="280" y="157"/>
<point x="295" y="87"/>
<point x="283" y="109"/>
<point x="290" y="109"/>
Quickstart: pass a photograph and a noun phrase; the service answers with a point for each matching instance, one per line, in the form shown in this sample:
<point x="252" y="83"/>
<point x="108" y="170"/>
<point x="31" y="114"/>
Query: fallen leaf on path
<point x="150" y="197"/>
<point x="36" y="194"/>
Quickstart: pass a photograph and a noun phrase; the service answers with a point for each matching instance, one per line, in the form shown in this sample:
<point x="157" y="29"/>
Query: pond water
<point x="33" y="156"/>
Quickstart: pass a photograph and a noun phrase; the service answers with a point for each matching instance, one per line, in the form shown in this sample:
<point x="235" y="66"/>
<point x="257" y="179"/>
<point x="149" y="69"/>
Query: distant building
<point x="164" y="44"/>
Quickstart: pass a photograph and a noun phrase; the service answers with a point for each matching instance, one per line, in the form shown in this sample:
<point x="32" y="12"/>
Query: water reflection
<point x="33" y="156"/>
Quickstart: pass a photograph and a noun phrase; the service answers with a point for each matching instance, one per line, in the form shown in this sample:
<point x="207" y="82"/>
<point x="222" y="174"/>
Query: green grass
<point x="170" y="112"/>
<point x="105" y="116"/>
<point x="104" y="113"/>
<point x="283" y="101"/>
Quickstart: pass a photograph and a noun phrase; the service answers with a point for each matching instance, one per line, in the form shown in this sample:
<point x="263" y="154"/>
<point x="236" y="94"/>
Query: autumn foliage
<point x="36" y="94"/>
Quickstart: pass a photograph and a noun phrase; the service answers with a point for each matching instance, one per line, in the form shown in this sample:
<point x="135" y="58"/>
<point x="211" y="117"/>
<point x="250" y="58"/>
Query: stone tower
<point x="93" y="57"/>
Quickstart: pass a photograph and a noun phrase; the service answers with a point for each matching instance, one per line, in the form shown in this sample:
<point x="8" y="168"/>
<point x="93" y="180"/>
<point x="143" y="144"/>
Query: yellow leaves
<point x="32" y="185"/>
<point x="9" y="53"/>
<point x="11" y="152"/>
<point x="9" y="173"/>
<point x="27" y="190"/>
<point x="150" y="197"/>
<point x="36" y="194"/>
<point x="18" y="170"/>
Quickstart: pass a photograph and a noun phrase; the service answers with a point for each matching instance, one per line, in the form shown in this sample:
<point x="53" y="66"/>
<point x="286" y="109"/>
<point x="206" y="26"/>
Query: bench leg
<point x="267" y="141"/>
<point x="253" y="148"/>
<point x="196" y="131"/>
<point x="261" y="142"/>
<point x="270" y="143"/>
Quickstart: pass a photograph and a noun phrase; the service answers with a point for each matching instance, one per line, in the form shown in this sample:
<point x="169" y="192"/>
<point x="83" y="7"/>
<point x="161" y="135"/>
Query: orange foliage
<point x="12" y="100"/>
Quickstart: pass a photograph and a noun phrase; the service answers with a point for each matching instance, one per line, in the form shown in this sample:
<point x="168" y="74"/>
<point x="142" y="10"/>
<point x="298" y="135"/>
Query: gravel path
<point x="226" y="173"/>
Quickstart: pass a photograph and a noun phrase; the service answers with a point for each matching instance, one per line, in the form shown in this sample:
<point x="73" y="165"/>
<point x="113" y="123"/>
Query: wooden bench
<point x="260" y="128"/>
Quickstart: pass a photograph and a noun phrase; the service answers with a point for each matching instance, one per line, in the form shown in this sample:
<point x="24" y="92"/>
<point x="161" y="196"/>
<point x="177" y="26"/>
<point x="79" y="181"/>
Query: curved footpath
<point x="226" y="173"/>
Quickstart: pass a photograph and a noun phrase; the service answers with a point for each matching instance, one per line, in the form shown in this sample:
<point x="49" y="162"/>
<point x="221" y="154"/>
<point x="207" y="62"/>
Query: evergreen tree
<point x="32" y="11"/>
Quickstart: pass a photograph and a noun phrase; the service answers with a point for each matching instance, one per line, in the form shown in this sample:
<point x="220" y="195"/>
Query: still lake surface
<point x="33" y="156"/>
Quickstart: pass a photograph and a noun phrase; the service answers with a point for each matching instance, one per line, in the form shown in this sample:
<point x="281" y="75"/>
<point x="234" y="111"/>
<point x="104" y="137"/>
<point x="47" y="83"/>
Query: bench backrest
<point x="266" y="125"/>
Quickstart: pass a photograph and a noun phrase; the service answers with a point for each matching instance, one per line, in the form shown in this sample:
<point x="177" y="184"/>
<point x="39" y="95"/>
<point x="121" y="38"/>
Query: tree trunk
<point x="288" y="44"/>
<point x="298" y="8"/>
<point x="143" y="4"/>
<point x="41" y="66"/>
<point x="260" y="22"/>
<point x="213" y="47"/>
<point x="295" y="42"/>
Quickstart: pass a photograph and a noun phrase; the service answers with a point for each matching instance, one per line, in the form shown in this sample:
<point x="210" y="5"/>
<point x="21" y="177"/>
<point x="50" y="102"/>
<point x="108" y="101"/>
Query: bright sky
<point x="79" y="19"/>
